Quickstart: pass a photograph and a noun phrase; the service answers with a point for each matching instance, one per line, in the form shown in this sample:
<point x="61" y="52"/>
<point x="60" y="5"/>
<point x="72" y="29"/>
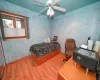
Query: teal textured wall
<point x="78" y="24"/>
<point x="39" y="30"/>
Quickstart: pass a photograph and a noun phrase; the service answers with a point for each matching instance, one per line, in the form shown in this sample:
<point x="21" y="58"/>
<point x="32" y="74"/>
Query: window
<point x="7" y="21"/>
<point x="14" y="25"/>
<point x="19" y="23"/>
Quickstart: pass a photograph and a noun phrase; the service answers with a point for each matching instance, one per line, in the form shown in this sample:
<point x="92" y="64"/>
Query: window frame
<point x="14" y="16"/>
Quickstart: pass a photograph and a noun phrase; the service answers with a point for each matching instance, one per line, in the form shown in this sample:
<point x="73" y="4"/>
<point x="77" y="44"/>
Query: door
<point x="2" y="58"/>
<point x="2" y="61"/>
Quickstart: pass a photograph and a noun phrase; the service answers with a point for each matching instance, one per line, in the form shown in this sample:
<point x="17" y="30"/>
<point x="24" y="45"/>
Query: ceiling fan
<point x="50" y="6"/>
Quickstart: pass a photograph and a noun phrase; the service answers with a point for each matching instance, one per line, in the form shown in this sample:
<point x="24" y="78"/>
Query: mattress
<point x="43" y="48"/>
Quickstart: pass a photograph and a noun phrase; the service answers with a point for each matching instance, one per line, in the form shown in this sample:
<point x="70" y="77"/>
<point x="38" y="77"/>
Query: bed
<point x="44" y="51"/>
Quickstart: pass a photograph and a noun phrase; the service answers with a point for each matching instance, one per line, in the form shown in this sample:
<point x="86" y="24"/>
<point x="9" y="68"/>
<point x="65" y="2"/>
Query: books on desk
<point x="89" y="46"/>
<point x="84" y="46"/>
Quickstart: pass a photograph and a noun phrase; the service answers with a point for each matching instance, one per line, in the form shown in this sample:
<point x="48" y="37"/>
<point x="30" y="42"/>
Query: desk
<point x="69" y="72"/>
<point x="86" y="58"/>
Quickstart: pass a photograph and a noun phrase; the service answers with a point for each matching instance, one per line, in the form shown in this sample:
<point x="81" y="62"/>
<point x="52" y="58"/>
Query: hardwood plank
<point x="24" y="69"/>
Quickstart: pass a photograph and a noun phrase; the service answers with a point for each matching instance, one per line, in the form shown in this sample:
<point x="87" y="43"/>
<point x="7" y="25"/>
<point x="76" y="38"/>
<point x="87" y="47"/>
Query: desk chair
<point x="69" y="48"/>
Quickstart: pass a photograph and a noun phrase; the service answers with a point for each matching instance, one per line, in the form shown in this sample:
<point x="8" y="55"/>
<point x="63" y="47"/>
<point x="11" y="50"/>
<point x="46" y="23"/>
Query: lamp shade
<point x="50" y="12"/>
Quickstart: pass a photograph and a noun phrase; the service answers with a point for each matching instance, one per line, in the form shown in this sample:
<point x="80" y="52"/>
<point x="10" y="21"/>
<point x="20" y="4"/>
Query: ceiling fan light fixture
<point x="50" y="12"/>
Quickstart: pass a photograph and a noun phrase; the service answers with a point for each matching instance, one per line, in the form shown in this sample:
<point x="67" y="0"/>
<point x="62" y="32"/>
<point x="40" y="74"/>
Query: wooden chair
<point x="69" y="48"/>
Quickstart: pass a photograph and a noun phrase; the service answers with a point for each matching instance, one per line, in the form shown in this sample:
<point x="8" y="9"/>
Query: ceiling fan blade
<point x="43" y="10"/>
<point x="55" y="2"/>
<point x="59" y="8"/>
<point x="39" y="2"/>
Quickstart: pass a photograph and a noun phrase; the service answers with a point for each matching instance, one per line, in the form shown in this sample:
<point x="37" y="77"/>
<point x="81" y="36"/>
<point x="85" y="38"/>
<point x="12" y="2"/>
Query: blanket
<point x="43" y="48"/>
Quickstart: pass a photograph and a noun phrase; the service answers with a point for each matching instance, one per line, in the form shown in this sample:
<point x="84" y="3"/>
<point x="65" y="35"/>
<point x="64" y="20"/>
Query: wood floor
<point x="27" y="70"/>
